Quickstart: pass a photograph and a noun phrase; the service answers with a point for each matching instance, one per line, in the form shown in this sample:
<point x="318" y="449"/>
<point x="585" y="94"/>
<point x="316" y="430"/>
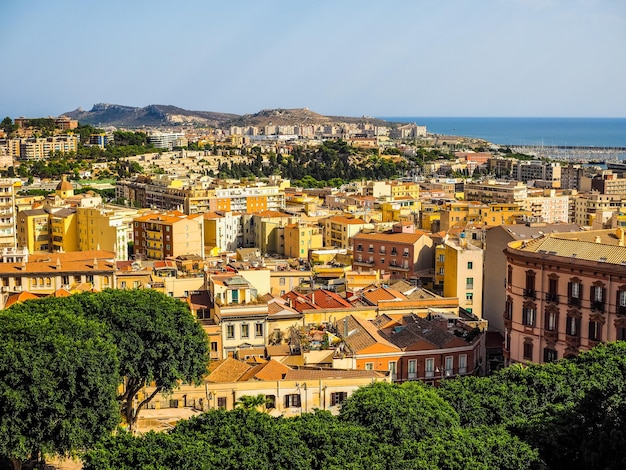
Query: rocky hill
<point x="102" y="115"/>
<point x="155" y="115"/>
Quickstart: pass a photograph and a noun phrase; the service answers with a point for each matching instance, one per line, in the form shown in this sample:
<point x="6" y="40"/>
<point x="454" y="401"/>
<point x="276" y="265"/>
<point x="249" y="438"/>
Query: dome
<point x="64" y="185"/>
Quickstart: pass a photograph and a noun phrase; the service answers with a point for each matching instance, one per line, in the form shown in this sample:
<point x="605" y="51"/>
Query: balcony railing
<point x="552" y="297"/>
<point x="621" y="309"/>
<point x="530" y="294"/>
<point x="573" y="301"/>
<point x="597" y="305"/>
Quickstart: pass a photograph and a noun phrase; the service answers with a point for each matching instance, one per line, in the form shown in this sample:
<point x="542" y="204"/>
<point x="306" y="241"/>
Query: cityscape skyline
<point x="521" y="58"/>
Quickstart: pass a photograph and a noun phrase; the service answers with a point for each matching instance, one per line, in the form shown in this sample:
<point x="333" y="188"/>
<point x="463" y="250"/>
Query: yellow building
<point x="64" y="230"/>
<point x="400" y="189"/>
<point x="300" y="238"/>
<point x="339" y="229"/>
<point x="403" y="209"/>
<point x="106" y="229"/>
<point x="160" y="236"/>
<point x="462" y="273"/>
<point x="33" y="230"/>
<point x="459" y="214"/>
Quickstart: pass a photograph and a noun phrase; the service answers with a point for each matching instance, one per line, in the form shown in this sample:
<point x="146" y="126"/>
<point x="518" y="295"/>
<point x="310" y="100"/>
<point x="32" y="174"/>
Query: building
<point x="595" y="210"/>
<point x="609" y="183"/>
<point x="548" y="207"/>
<point x="169" y="140"/>
<point x="107" y="229"/>
<point x="565" y="294"/>
<point x="339" y="230"/>
<point x="494" y="283"/>
<point x="402" y="251"/>
<point x="223" y="230"/>
<point x="33" y="230"/>
<point x="300" y="238"/>
<point x="64" y="230"/>
<point x="492" y="191"/>
<point x="160" y="236"/>
<point x="7" y="213"/>
<point x="543" y="174"/>
<point x="461" y="266"/>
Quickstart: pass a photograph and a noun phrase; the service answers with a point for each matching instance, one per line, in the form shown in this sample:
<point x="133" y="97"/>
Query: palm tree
<point x="252" y="402"/>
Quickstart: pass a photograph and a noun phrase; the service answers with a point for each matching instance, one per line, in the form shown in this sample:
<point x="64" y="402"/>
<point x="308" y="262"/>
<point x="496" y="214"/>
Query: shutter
<point x="604" y="294"/>
<point x="569" y="290"/>
<point x="591" y="294"/>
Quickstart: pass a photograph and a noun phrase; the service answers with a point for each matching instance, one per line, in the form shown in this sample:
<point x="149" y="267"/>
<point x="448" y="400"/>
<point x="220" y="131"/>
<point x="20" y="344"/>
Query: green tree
<point x="158" y="340"/>
<point x="399" y="412"/>
<point x="58" y="381"/>
<point x="252" y="402"/>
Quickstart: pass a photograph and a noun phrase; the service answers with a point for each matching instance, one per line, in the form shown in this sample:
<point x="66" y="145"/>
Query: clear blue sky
<point x="337" y="57"/>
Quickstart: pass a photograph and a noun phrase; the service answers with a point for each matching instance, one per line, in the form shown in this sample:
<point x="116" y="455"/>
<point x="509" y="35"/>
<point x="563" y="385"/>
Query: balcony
<point x="621" y="309"/>
<point x="572" y="341"/>
<point x="597" y="305"/>
<point x="551" y="335"/>
<point x="573" y="301"/>
<point x="365" y="262"/>
<point x="530" y="294"/>
<point x="552" y="297"/>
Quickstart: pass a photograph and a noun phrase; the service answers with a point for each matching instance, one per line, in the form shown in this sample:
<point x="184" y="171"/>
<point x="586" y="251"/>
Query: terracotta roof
<point x="390" y="237"/>
<point x="271" y="214"/>
<point x="576" y="249"/>
<point x="362" y="334"/>
<point x="346" y="220"/>
<point x="326" y="299"/>
<point x="19" y="298"/>
<point x="382" y="293"/>
<point x="226" y="370"/>
<point x="272" y="370"/>
<point x="317" y="374"/>
<point x="415" y="329"/>
<point x="280" y="350"/>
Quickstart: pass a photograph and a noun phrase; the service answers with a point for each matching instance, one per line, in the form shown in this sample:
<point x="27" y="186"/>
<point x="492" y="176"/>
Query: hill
<point x="156" y="115"/>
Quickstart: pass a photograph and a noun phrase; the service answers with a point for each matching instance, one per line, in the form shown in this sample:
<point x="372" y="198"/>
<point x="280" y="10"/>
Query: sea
<point x="515" y="131"/>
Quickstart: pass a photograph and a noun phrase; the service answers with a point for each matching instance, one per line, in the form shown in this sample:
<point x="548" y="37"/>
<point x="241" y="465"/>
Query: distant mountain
<point x="157" y="115"/>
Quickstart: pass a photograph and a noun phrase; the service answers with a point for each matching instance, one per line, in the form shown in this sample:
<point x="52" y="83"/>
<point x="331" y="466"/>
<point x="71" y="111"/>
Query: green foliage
<point x="58" y="381"/>
<point x="157" y="337"/>
<point x="399" y="412"/>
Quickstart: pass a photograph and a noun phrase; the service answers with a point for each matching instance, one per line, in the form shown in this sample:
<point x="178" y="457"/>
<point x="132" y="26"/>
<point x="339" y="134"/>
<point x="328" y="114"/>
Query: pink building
<point x="565" y="293"/>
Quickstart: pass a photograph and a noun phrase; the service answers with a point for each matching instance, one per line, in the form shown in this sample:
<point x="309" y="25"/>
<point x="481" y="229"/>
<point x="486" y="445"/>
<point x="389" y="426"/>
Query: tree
<point x="158" y="340"/>
<point x="58" y="381"/>
<point x="409" y="411"/>
<point x="252" y="402"/>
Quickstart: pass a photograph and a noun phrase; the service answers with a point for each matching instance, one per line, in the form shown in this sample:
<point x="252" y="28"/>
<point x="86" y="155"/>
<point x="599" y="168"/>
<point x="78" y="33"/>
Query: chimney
<point x="598" y="239"/>
<point x="58" y="263"/>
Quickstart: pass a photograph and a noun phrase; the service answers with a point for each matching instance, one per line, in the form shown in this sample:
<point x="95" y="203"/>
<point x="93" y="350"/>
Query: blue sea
<point x="579" y="132"/>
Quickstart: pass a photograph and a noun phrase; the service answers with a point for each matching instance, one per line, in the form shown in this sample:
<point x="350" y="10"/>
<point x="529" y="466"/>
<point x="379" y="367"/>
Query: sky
<point x="526" y="58"/>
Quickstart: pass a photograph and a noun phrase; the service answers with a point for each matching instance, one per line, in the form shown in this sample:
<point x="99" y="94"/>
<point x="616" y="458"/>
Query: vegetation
<point x="554" y="416"/>
<point x="58" y="381"/>
<point x="64" y="360"/>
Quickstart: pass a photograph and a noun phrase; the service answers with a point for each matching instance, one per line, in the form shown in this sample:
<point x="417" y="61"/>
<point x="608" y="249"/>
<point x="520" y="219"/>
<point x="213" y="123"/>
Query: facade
<point x="64" y="230"/>
<point x="403" y="252"/>
<point x="7" y="213"/>
<point x="107" y="229"/>
<point x="495" y="272"/>
<point x="609" y="183"/>
<point x="462" y="273"/>
<point x="223" y="230"/>
<point x="538" y="171"/>
<point x="33" y="230"/>
<point x="550" y="208"/>
<point x="496" y="192"/>
<point x="339" y="230"/>
<point x="565" y="294"/>
<point x="594" y="210"/>
<point x="160" y="236"/>
<point x="300" y="238"/>
<point x="40" y="148"/>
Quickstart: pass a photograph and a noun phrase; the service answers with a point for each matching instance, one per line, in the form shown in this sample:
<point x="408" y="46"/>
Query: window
<point x="412" y="369"/>
<point x="214" y="346"/>
<point x="369" y="366"/>
<point x="621" y="298"/>
<point x="552" y="295"/>
<point x="508" y="309"/>
<point x="598" y="293"/>
<point x="370" y="249"/>
<point x="359" y="247"/>
<point x="572" y="326"/>
<point x="469" y="296"/>
<point x="462" y="363"/>
<point x="529" y="291"/>
<point x="509" y="278"/>
<point x="595" y="331"/>
<point x="430" y="367"/>
<point x="528" y="316"/>
<point x="528" y="351"/>
<point x="470" y="265"/>
<point x="281" y="281"/>
<point x="230" y="331"/>
<point x="258" y="329"/>
<point x="621" y="333"/>
<point x="449" y="365"/>
<point x="392" y="369"/>
<point x="551" y="320"/>
<point x="292" y="400"/>
<point x="406" y="253"/>
<point x="221" y="402"/>
<point x="441" y="258"/>
<point x="245" y="330"/>
<point x="441" y="271"/>
<point x="469" y="283"/>
<point x="549" y="355"/>
<point x="337" y="398"/>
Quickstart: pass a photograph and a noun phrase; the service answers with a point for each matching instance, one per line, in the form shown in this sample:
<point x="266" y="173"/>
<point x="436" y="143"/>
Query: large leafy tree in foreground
<point x="159" y="342"/>
<point x="58" y="382"/>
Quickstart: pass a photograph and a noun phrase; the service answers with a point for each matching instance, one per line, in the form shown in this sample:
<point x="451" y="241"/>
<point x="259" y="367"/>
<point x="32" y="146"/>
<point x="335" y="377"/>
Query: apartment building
<point x="7" y="213"/>
<point x="300" y="238"/>
<point x="549" y="207"/>
<point x="223" y="230"/>
<point x="539" y="172"/>
<point x="38" y="148"/>
<point x="609" y="183"/>
<point x="339" y="230"/>
<point x="493" y="191"/>
<point x="595" y="210"/>
<point x="459" y="270"/>
<point x="107" y="229"/>
<point x="461" y="213"/>
<point x="33" y="230"/>
<point x="402" y="251"/>
<point x="565" y="294"/>
<point x="160" y="236"/>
